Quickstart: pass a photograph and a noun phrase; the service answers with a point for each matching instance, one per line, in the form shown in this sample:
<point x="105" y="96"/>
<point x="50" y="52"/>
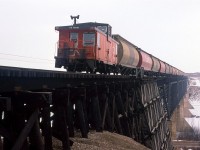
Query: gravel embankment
<point x="102" y="141"/>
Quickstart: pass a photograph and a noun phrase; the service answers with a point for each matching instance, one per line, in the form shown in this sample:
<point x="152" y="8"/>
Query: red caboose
<point x="86" y="47"/>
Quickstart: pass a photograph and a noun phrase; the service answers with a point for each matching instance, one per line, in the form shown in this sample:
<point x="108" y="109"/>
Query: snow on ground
<point x="194" y="82"/>
<point x="194" y="123"/>
<point x="194" y="99"/>
<point x="194" y="91"/>
<point x="196" y="105"/>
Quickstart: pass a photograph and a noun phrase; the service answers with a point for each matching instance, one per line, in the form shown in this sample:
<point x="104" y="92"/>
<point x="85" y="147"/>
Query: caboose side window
<point x="103" y="28"/>
<point x="73" y="36"/>
<point x="88" y="39"/>
<point x="98" y="39"/>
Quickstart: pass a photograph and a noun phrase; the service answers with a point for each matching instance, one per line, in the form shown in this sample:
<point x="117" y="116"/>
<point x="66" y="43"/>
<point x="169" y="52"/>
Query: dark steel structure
<point x="135" y="107"/>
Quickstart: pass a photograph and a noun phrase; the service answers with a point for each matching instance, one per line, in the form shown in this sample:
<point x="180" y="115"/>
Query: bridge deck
<point x="31" y="79"/>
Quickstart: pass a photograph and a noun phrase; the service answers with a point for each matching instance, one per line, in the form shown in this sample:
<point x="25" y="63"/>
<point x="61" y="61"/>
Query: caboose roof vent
<point x="74" y="17"/>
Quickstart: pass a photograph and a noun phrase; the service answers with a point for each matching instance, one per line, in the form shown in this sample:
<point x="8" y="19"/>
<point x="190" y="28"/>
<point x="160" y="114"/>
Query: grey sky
<point x="168" y="29"/>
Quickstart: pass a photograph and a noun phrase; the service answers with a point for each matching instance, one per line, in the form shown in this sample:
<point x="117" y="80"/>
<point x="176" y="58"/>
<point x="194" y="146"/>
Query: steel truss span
<point x="135" y="107"/>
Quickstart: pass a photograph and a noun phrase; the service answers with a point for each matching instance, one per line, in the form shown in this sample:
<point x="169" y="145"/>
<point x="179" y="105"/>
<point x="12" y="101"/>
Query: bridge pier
<point x="177" y="123"/>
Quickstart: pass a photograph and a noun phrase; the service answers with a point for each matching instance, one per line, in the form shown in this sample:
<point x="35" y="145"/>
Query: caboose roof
<point x="86" y="25"/>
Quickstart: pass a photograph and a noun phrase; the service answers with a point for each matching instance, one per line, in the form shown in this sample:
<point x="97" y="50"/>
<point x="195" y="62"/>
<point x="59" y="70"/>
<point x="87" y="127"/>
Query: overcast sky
<point x="168" y="29"/>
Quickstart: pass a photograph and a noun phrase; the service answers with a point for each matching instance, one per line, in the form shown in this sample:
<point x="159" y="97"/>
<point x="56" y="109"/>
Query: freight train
<point x="92" y="47"/>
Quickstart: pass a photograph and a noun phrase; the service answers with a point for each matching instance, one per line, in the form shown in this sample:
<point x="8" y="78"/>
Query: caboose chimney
<point x="74" y="17"/>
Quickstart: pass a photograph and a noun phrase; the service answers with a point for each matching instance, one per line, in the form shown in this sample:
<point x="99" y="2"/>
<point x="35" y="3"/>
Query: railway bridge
<point x="36" y="105"/>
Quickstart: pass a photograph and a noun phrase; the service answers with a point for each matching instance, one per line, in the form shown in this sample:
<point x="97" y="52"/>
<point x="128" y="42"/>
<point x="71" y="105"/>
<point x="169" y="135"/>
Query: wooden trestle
<point x="37" y="105"/>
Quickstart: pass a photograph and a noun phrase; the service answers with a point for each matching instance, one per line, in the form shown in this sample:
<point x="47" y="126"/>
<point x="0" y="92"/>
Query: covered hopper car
<point x="91" y="47"/>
